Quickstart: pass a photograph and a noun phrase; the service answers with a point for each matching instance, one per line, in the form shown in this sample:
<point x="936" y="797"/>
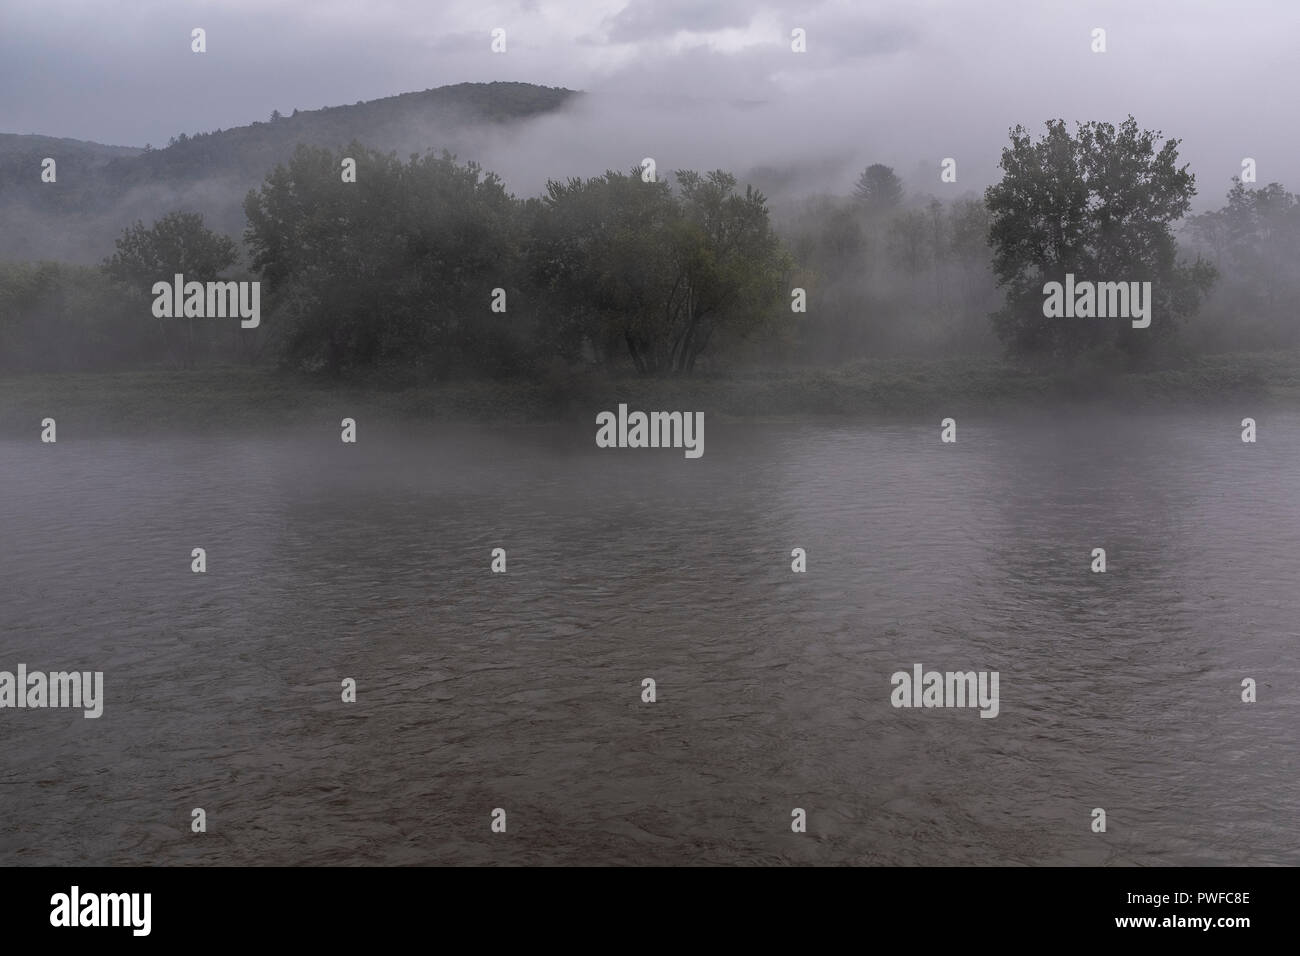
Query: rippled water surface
<point x="523" y="691"/>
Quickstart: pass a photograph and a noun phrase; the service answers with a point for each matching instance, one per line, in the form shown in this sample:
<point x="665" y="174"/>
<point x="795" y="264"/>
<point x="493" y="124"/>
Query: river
<point x="523" y="690"/>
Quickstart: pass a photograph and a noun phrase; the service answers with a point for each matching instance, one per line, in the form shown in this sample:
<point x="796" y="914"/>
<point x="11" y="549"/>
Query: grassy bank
<point x="241" y="398"/>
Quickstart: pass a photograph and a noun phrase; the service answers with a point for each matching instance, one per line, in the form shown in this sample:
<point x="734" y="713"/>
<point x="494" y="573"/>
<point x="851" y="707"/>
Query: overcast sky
<point x="902" y="83"/>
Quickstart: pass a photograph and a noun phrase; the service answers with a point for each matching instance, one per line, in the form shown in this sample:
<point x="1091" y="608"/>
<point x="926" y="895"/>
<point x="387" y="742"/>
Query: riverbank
<point x="240" y="398"/>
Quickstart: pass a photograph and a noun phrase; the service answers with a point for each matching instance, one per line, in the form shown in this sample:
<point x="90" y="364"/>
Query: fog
<point x="258" y="531"/>
<point x="692" y="84"/>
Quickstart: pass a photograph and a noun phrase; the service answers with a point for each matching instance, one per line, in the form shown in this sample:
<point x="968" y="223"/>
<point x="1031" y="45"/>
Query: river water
<point x="523" y="691"/>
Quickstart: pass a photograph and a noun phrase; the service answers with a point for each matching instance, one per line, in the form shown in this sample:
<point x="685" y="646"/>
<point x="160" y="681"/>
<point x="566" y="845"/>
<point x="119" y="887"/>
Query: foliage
<point x="1252" y="241"/>
<point x="1099" y="204"/>
<point x="879" y="189"/>
<point x="396" y="268"/>
<point x="660" y="272"/>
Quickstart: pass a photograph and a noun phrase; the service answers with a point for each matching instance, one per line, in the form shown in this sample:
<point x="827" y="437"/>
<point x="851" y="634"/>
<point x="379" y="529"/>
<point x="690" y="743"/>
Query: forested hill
<point x="100" y="190"/>
<point x="16" y="145"/>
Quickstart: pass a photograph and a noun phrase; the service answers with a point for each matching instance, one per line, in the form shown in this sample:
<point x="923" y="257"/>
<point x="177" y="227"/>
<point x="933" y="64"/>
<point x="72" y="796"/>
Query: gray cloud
<point x="648" y="19"/>
<point x="853" y="36"/>
<point x="905" y="83"/>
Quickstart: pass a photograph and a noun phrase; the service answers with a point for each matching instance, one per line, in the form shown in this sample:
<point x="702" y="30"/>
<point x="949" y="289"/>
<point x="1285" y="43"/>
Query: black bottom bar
<point x="646" y="906"/>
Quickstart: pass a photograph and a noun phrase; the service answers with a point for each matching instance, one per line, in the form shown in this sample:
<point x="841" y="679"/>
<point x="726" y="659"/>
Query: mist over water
<point x="522" y="691"/>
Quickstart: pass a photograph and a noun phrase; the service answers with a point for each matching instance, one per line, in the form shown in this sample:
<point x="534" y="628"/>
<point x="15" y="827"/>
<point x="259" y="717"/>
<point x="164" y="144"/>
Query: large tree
<point x="396" y="268"/>
<point x="176" y="243"/>
<point x="879" y="189"/>
<point x="657" y="272"/>
<point x="1099" y="204"/>
<point x="597" y="246"/>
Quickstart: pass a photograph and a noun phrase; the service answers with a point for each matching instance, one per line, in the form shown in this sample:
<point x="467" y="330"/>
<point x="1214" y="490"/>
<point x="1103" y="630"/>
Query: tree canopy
<point x="1101" y="205"/>
<point x="879" y="189"/>
<point x="661" y="272"/>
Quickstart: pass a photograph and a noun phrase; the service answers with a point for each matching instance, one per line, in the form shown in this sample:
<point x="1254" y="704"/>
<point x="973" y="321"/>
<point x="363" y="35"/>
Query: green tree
<point x="176" y="243"/>
<point x="879" y="189"/>
<point x="1099" y="204"/>
<point x="730" y="269"/>
<point x="1252" y="240"/>
<point x="598" y="247"/>
<point x="658" y="272"/>
<point x="396" y="269"/>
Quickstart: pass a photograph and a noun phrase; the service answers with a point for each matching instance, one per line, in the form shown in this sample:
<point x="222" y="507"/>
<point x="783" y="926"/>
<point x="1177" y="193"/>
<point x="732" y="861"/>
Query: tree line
<point x="430" y="268"/>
